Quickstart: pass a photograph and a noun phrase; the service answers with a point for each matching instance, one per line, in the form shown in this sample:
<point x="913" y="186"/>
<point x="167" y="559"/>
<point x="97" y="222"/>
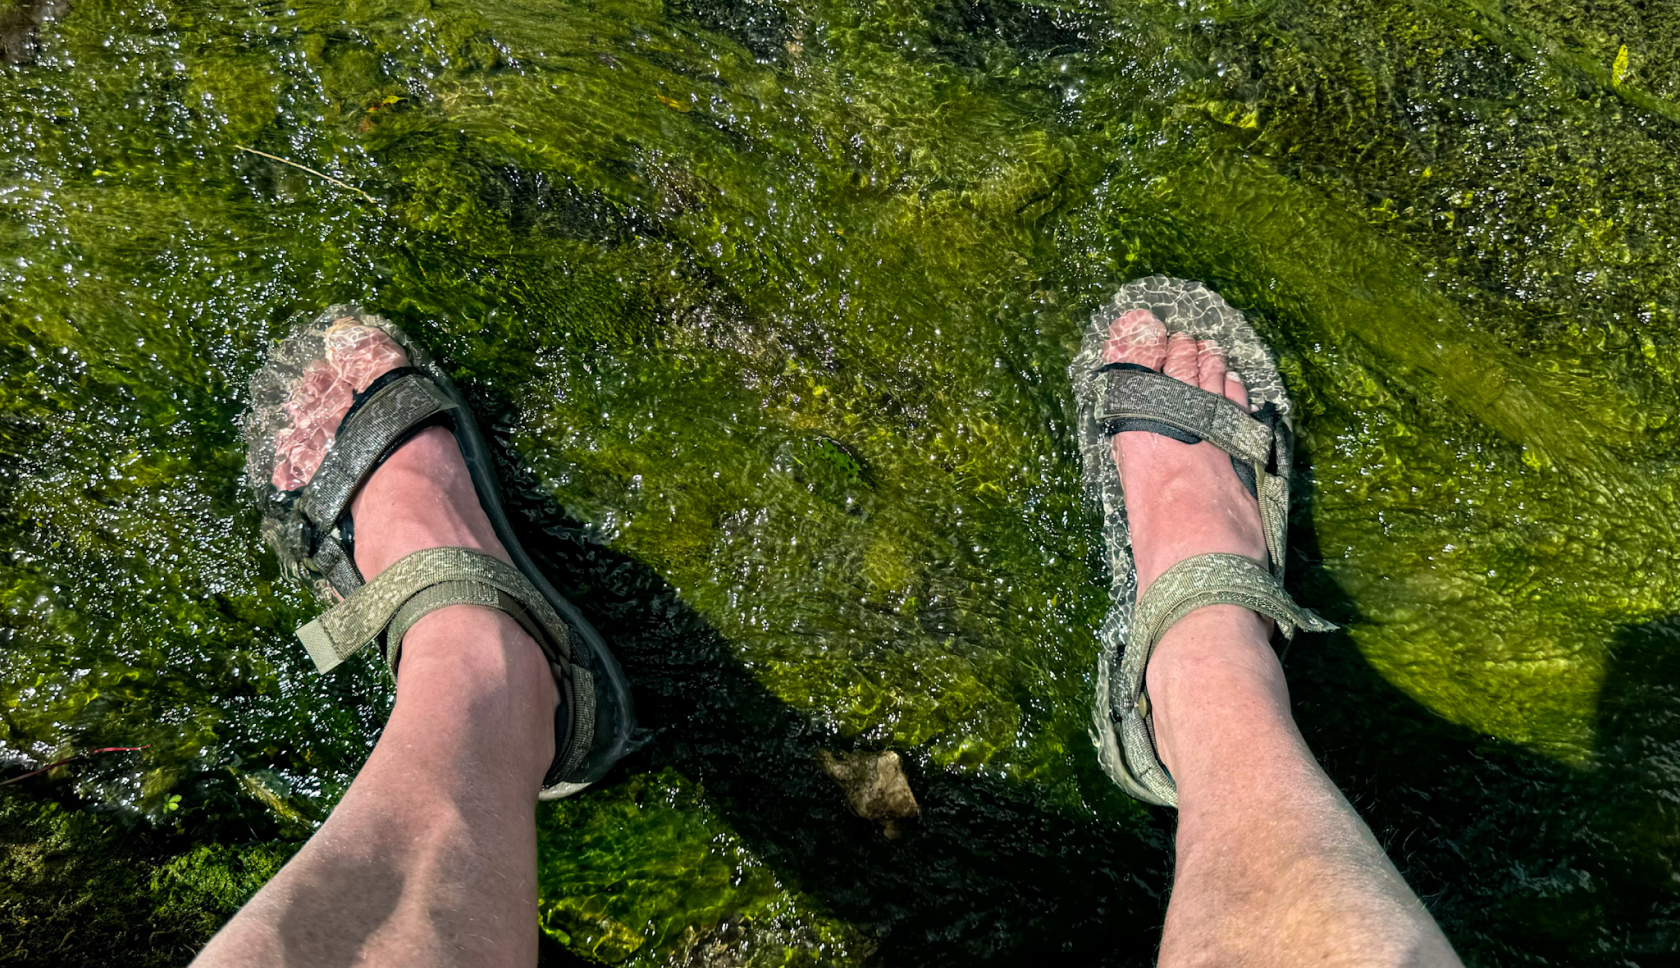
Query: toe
<point x="1137" y="337"/>
<point x="1236" y="390"/>
<point x="355" y="356"/>
<point x="361" y="354"/>
<point x="1181" y="359"/>
<point x="1210" y="366"/>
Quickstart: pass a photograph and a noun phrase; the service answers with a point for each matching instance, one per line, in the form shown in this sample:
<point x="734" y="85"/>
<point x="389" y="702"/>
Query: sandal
<point x="1120" y="397"/>
<point x="310" y="528"/>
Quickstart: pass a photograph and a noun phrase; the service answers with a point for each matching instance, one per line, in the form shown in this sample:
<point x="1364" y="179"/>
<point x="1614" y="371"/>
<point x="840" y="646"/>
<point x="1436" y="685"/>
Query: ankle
<point x="463" y="665"/>
<point x="1213" y="677"/>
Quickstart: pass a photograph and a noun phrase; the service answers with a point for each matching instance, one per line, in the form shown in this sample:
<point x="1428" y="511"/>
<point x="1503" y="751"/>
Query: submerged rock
<point x="20" y="24"/>
<point x="875" y="787"/>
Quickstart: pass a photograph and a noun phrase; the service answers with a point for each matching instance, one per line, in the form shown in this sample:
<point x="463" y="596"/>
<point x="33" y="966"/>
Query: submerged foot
<point x="1183" y="499"/>
<point x="421" y="497"/>
<point x="1271" y="864"/>
<point x="430" y="856"/>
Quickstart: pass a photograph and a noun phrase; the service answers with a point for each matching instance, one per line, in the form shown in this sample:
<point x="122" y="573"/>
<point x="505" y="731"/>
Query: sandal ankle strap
<point x="1196" y="582"/>
<point x="384" y="609"/>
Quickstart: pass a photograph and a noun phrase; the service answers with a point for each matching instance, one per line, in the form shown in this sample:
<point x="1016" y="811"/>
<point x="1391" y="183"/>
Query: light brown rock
<point x="875" y="787"/>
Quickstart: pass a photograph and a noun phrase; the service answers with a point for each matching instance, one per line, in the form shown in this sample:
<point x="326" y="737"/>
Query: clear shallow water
<point x="770" y="307"/>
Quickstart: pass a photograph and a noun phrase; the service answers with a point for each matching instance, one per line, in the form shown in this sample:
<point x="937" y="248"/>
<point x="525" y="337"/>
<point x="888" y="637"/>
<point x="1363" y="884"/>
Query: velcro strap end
<point x="319" y="643"/>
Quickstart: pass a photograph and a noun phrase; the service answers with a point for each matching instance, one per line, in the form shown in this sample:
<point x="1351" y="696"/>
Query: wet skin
<point x="1272" y="866"/>
<point x="430" y="858"/>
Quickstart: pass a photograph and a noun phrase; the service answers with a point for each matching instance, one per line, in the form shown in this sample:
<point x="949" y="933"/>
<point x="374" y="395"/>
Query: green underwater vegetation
<point x="769" y="308"/>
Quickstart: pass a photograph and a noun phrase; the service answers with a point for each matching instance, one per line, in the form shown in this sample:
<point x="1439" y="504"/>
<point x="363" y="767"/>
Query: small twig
<point x="49" y="766"/>
<point x="317" y="174"/>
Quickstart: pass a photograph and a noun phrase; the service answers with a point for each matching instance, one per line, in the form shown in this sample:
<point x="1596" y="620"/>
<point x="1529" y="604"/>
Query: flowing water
<point x="769" y="307"/>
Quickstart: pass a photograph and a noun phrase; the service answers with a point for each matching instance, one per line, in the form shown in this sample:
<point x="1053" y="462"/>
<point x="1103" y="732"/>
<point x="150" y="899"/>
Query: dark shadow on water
<point x="991" y="873"/>
<point x="1523" y="859"/>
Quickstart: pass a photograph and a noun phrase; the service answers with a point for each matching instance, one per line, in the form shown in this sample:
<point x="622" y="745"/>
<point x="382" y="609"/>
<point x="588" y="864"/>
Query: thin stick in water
<point x="75" y="756"/>
<point x="317" y="174"/>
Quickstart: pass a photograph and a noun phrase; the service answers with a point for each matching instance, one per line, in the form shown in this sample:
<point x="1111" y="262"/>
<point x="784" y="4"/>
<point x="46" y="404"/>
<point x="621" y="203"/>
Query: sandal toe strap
<point x="1139" y="394"/>
<point x="312" y="534"/>
<point x="1261" y="445"/>
<point x="387" y="416"/>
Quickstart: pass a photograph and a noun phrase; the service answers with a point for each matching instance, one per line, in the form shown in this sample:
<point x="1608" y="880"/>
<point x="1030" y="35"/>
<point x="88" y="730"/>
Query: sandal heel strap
<point x="1272" y="493"/>
<point x="1196" y="582"/>
<point x="575" y="715"/>
<point x="574" y="737"/>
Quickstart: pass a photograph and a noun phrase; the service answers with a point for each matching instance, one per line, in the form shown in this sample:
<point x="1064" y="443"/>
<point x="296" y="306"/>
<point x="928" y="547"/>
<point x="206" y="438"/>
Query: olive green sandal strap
<point x="334" y="561"/>
<point x="532" y="612"/>
<point x="1143" y="399"/>
<point x="1272" y="491"/>
<point x="423" y="581"/>
<point x="1147" y="395"/>
<point x="460" y="591"/>
<point x="1218" y="579"/>
<point x="380" y="422"/>
<point x="420" y="583"/>
<point x="1195" y="582"/>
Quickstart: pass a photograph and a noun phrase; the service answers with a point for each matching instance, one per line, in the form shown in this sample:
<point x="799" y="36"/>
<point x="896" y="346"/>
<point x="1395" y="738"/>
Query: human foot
<point x="378" y="490"/>
<point x="422" y="496"/>
<point x="1181" y="499"/>
<point x="1184" y="500"/>
<point x="1258" y="819"/>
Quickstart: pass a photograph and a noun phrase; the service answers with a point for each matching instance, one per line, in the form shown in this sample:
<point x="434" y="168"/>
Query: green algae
<point x="78" y="887"/>
<point x="610" y="862"/>
<point x="770" y="307"/>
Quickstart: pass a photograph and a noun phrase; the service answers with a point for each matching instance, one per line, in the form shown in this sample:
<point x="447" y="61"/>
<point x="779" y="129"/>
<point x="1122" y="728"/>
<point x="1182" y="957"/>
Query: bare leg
<point x="431" y="857"/>
<point x="1273" y="865"/>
